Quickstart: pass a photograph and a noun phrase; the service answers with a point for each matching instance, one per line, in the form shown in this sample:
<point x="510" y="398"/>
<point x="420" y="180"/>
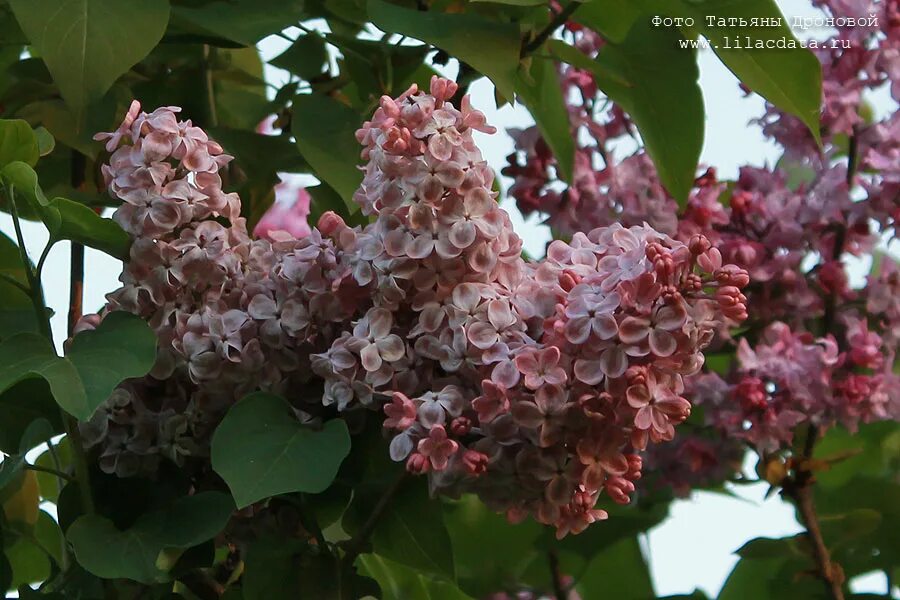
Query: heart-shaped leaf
<point x="111" y="553"/>
<point x="26" y="355"/>
<point x="261" y="450"/>
<point x="121" y="347"/>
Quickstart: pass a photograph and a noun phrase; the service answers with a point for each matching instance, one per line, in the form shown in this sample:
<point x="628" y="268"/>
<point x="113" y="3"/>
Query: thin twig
<point x="559" y="19"/>
<point x="40" y="264"/>
<point x="37" y="301"/>
<point x="559" y="589"/>
<point x="51" y="471"/>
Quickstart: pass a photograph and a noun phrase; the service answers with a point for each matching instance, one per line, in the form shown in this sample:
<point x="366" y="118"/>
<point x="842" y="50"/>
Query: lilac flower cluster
<point x="534" y="385"/>
<point x="231" y="314"/>
<point x="816" y="350"/>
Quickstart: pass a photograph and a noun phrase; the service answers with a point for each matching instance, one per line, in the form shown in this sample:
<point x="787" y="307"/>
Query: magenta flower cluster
<point x="817" y="351"/>
<point x="534" y="385"/>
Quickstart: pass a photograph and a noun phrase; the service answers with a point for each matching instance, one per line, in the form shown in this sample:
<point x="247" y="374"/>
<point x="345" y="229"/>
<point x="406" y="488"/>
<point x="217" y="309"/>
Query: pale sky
<point x="694" y="547"/>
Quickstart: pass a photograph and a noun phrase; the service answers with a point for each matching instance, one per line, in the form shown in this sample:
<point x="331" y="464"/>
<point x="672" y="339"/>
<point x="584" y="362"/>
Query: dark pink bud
<point x="389" y="106"/>
<point x="330" y="222"/>
<point x="460" y="426"/>
<point x="732" y="275"/>
<point x="418" y="464"/>
<point x="699" y="244"/>
<point x="475" y="463"/>
<point x="751" y="392"/>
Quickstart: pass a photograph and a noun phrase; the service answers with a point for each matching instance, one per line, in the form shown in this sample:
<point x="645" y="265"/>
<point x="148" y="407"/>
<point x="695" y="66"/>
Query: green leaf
<point x="325" y="132"/>
<point x="270" y="569"/>
<point x="37" y="432"/>
<point x="842" y="528"/>
<point x="323" y="198"/>
<point x="513" y="2"/>
<point x="260" y="155"/>
<point x="376" y="69"/>
<point x="306" y="57"/>
<point x="489" y="552"/>
<point x="612" y="18"/>
<point x="243" y="21"/>
<point x="618" y="571"/>
<point x="61" y="121"/>
<point x="20" y="405"/>
<point x="575" y="57"/>
<point x="17" y="142"/>
<point x="399" y="582"/>
<point x="770" y="548"/>
<point x="122" y="347"/>
<point x="771" y="578"/>
<point x="852" y="455"/>
<point x="111" y="553"/>
<point x="65" y="219"/>
<point x="261" y="450"/>
<point x="490" y="47"/>
<point x="16" y="310"/>
<point x="860" y="519"/>
<point x="789" y="78"/>
<point x="74" y="221"/>
<point x="25" y="183"/>
<point x="6" y="573"/>
<point x="663" y="99"/>
<point x="277" y="567"/>
<point x="410" y="531"/>
<point x="719" y="362"/>
<point x="543" y="96"/>
<point x="88" y="44"/>
<point x="45" y="141"/>
<point x="26" y="355"/>
<point x="28" y="561"/>
<point x="48" y="483"/>
<point x="624" y="522"/>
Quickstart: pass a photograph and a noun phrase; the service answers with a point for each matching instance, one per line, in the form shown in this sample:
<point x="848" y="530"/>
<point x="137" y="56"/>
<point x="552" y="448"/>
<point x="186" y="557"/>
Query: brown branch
<point x="76" y="298"/>
<point x="799" y="489"/>
<point x="559" y="589"/>
<point x="830" y="572"/>
<point x="76" y="258"/>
